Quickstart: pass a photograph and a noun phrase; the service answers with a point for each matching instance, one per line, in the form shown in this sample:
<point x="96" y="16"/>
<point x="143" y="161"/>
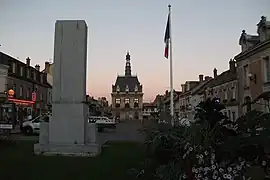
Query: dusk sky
<point x="205" y="35"/>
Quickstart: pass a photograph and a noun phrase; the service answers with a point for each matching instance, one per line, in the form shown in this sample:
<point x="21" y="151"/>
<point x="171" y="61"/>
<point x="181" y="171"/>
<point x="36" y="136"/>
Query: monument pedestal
<point x="68" y="132"/>
<point x="89" y="148"/>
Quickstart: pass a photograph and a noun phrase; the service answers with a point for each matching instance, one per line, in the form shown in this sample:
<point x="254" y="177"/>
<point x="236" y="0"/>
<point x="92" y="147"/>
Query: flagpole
<point x="171" y="69"/>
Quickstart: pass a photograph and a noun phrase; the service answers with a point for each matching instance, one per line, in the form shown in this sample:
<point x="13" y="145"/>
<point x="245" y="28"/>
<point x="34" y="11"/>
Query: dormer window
<point x="127" y="89"/>
<point x="118" y="88"/>
<point x="136" y="88"/>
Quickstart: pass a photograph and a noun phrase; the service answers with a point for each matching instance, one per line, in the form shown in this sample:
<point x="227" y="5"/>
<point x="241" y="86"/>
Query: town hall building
<point x="127" y="95"/>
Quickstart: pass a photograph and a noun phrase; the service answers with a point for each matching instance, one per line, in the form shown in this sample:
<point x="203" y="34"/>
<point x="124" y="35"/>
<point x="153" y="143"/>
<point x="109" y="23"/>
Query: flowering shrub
<point x="206" y="166"/>
<point x="211" y="148"/>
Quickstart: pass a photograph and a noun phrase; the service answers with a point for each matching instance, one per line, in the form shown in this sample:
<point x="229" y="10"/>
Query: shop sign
<point x="34" y="96"/>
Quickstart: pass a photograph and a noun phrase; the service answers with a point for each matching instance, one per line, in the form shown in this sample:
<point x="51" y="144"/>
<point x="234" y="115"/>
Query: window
<point x="34" y="75"/>
<point x="37" y="120"/>
<point x="267" y="69"/>
<point x="21" y="91"/>
<point x="229" y="114"/>
<point x="233" y="93"/>
<point x="13" y="66"/>
<point x="118" y="88"/>
<point x="117" y="102"/>
<point x="28" y="73"/>
<point x="136" y="88"/>
<point x="28" y="93"/>
<point x="127" y="89"/>
<point x="14" y="87"/>
<point x="233" y="116"/>
<point x="225" y="94"/>
<point x="136" y="102"/>
<point x="246" y="80"/>
<point x="21" y="71"/>
<point x="126" y="102"/>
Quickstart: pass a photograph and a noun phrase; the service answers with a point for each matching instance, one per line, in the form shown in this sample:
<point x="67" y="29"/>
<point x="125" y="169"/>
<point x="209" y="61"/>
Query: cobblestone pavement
<point x="125" y="131"/>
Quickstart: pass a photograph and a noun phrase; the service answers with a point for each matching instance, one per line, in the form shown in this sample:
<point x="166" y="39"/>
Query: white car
<point x="33" y="126"/>
<point x="103" y="122"/>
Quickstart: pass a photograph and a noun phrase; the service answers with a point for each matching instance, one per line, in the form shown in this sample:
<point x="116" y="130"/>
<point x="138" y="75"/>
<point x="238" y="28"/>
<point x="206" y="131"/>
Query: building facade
<point x="149" y="109"/>
<point x="253" y="68"/>
<point x="48" y="70"/>
<point x="185" y="103"/>
<point x="225" y="88"/>
<point x="3" y="78"/>
<point x="197" y="94"/>
<point x="127" y="95"/>
<point x="26" y="86"/>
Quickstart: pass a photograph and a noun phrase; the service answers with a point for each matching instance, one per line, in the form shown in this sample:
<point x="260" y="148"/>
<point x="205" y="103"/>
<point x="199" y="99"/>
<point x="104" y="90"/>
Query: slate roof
<point x="223" y="78"/>
<point x="130" y="81"/>
<point x="167" y="98"/>
<point x="201" y="87"/>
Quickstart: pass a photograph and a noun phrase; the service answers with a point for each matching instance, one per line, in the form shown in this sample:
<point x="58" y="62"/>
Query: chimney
<point x="201" y="77"/>
<point x="28" y="61"/>
<point x="215" y="72"/>
<point x="183" y="87"/>
<point x="47" y="65"/>
<point x="37" y="67"/>
<point x="232" y="65"/>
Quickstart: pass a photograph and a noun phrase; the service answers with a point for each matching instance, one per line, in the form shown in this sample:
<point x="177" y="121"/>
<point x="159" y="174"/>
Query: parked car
<point x="32" y="126"/>
<point x="103" y="122"/>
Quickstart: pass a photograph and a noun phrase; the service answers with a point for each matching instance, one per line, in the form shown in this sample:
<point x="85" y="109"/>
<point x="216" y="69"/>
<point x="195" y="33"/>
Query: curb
<point x="15" y="132"/>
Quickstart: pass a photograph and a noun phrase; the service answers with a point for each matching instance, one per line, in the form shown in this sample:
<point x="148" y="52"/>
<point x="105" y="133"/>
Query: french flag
<point x="167" y="38"/>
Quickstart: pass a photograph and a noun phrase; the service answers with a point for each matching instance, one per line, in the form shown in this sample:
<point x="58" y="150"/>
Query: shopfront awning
<point x="19" y="101"/>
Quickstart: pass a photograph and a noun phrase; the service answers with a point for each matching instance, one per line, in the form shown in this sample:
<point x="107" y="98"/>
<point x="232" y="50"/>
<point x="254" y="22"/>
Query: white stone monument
<point x="68" y="132"/>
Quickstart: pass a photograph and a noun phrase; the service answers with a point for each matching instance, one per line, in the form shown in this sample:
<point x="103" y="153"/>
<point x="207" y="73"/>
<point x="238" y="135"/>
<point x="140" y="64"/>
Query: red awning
<point x="19" y="101"/>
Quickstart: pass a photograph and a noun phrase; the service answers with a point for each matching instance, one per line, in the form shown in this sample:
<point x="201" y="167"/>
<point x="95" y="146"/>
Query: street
<point x="125" y="131"/>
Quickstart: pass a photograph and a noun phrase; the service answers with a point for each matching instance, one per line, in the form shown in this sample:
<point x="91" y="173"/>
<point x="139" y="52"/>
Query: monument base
<point x="89" y="149"/>
<point x="86" y="150"/>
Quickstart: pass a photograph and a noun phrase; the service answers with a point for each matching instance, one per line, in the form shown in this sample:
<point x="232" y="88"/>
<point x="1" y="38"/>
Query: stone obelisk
<point x="68" y="132"/>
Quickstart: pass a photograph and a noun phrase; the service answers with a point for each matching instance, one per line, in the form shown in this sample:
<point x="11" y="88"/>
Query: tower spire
<point x="128" y="65"/>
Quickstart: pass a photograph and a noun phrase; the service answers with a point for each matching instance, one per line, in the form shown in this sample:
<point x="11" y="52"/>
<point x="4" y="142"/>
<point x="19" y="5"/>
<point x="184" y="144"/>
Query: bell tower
<point x="128" y="65"/>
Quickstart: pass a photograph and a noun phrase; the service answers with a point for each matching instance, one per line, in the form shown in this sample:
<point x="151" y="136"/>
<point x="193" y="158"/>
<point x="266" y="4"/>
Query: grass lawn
<point x="18" y="162"/>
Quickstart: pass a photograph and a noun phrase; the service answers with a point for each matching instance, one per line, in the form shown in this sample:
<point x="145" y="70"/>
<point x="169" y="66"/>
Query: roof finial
<point x="128" y="56"/>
